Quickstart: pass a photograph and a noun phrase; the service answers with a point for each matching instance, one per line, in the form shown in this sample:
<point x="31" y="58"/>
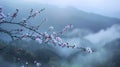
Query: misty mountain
<point x="59" y="17"/>
<point x="22" y="51"/>
<point x="80" y="19"/>
<point x="113" y="48"/>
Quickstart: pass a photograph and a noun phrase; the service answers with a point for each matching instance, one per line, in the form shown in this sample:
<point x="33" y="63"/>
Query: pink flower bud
<point x="45" y="34"/>
<point x="54" y="33"/>
<point x="2" y="17"/>
<point x="51" y="36"/>
<point x="59" y="43"/>
<point x="65" y="44"/>
<point x="36" y="12"/>
<point x="88" y="49"/>
<point x="46" y="40"/>
<point x="68" y="27"/>
<point x="51" y="28"/>
<point x="39" y="40"/>
<point x="59" y="39"/>
<point x="54" y="42"/>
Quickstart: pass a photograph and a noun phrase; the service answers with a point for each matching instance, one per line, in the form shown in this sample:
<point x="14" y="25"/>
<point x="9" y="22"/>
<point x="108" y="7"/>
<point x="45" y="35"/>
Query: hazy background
<point x="104" y="7"/>
<point x="96" y="25"/>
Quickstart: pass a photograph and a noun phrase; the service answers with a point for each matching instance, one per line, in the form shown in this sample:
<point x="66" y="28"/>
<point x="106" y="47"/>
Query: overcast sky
<point x="104" y="7"/>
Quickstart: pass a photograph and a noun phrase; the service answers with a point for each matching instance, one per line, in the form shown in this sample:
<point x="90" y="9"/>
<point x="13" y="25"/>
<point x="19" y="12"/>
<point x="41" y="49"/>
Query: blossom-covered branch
<point x="50" y="36"/>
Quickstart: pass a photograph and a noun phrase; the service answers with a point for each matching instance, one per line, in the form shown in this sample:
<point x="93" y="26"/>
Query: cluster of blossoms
<point x="55" y="38"/>
<point x="2" y="15"/>
<point x="37" y="64"/>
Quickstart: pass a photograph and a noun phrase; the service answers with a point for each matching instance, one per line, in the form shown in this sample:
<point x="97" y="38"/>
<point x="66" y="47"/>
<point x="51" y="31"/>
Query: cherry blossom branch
<point x="34" y="33"/>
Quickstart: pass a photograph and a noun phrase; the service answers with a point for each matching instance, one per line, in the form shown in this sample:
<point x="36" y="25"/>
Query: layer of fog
<point x="86" y="38"/>
<point x="96" y="41"/>
<point x="87" y="5"/>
